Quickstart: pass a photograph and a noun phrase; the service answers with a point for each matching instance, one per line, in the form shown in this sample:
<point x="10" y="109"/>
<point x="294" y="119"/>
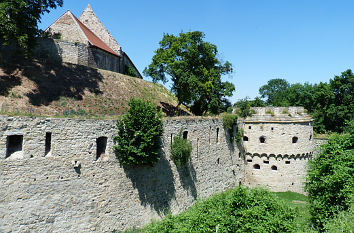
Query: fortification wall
<point x="62" y="175"/>
<point x="278" y="143"/>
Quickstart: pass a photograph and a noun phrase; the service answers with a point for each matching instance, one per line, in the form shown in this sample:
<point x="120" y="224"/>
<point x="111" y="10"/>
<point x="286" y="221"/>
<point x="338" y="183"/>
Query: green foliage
<point x="130" y="71"/>
<point x="139" y="132"/>
<point x="342" y="222"/>
<point x="330" y="180"/>
<point x="237" y="210"/>
<point x="229" y="121"/>
<point x="270" y="112"/>
<point x="195" y="72"/>
<point x="181" y="150"/>
<point x="331" y="104"/>
<point x="19" y="18"/>
<point x="243" y="107"/>
<point x="275" y="92"/>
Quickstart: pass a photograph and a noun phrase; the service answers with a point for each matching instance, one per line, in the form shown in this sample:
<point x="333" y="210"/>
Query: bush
<point x="139" y="132"/>
<point x="181" y="150"/>
<point x="330" y="180"/>
<point x="342" y="222"/>
<point x="229" y="120"/>
<point x="130" y="71"/>
<point x="236" y="210"/>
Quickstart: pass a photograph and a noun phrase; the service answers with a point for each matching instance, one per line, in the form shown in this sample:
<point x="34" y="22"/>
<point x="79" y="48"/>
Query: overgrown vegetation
<point x="330" y="103"/>
<point x="19" y="19"/>
<point x="229" y="121"/>
<point x="130" y="71"/>
<point x="330" y="180"/>
<point x="237" y="210"/>
<point x="139" y="132"/>
<point x="181" y="150"/>
<point x="243" y="108"/>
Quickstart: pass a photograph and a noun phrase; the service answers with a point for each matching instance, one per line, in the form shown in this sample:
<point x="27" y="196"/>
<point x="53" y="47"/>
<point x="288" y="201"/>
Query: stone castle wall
<point x="62" y="175"/>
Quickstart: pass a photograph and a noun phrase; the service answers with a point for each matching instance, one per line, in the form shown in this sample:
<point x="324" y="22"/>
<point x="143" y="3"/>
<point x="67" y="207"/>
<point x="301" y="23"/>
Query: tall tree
<point x="195" y="72"/>
<point x="19" y="18"/>
<point x="275" y="92"/>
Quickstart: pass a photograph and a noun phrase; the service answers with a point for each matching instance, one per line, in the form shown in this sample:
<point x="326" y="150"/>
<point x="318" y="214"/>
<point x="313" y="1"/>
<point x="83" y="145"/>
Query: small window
<point x="287" y="162"/>
<point x="262" y="139"/>
<point x="198" y="147"/>
<point x="245" y="138"/>
<point x="249" y="127"/>
<point x="48" y="143"/>
<point x="294" y="139"/>
<point x="266" y="161"/>
<point x="274" y="168"/>
<point x="14" y="144"/>
<point x="217" y="135"/>
<point x="171" y="138"/>
<point x="310" y="137"/>
<point x="272" y="128"/>
<point x="101" y="144"/>
<point x="185" y="134"/>
<point x="256" y="166"/>
<point x="249" y="160"/>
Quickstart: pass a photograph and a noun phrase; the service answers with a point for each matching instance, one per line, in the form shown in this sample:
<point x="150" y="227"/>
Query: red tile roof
<point x="93" y="39"/>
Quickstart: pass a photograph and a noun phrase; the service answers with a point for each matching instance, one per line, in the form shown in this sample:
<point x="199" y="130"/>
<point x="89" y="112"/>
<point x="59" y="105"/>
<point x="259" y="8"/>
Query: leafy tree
<point x="330" y="180"/>
<point x="195" y="71"/>
<point x="19" y="18"/>
<point x="275" y="92"/>
<point x="243" y="107"/>
<point x="139" y="132"/>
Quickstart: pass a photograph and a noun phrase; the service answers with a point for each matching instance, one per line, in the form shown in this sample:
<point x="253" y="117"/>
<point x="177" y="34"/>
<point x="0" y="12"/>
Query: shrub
<point x="139" y="132"/>
<point x="229" y="120"/>
<point x="243" y="108"/>
<point x="130" y="71"/>
<point x="330" y="180"/>
<point x="181" y="150"/>
<point x="236" y="210"/>
<point x="342" y="222"/>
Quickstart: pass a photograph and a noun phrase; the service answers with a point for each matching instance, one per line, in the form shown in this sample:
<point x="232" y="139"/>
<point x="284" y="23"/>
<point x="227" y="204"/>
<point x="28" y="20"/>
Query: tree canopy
<point x="331" y="104"/>
<point x="195" y="71"/>
<point x="19" y="18"/>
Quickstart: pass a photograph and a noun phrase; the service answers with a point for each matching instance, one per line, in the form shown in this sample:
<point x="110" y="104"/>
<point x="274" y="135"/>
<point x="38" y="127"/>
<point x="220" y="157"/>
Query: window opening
<point x="310" y="136"/>
<point x="197" y="147"/>
<point x="245" y="138"/>
<point x="272" y="128"/>
<point x="256" y="166"/>
<point x="171" y="138"/>
<point x="262" y="139"/>
<point x="294" y="139"/>
<point x="209" y="135"/>
<point x="14" y="145"/>
<point x="266" y="161"/>
<point x="274" y="168"/>
<point x="217" y="135"/>
<point x="101" y="144"/>
<point x="48" y="143"/>
<point x="185" y="134"/>
<point x="287" y="162"/>
<point x="249" y="160"/>
<point x="249" y="127"/>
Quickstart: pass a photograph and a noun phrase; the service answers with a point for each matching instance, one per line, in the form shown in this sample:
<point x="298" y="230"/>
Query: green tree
<point x="139" y="132"/>
<point x="195" y="71"/>
<point x="330" y="180"/>
<point x="275" y="92"/>
<point x="19" y="18"/>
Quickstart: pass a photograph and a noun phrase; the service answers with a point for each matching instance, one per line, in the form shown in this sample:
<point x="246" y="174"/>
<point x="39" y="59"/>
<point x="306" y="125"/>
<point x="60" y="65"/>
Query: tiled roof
<point x="93" y="39"/>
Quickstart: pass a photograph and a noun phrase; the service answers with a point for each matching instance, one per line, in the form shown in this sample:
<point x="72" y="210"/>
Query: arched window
<point x="262" y="139"/>
<point x="185" y="134"/>
<point x="274" y="168"/>
<point x="245" y="138"/>
<point x="295" y="139"/>
<point x="256" y="166"/>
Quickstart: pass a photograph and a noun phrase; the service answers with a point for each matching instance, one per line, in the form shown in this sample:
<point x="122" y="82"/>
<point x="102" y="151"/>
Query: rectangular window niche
<point x="14" y="147"/>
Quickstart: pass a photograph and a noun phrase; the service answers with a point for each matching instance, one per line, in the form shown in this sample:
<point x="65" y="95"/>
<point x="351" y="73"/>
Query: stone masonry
<point x="61" y="175"/>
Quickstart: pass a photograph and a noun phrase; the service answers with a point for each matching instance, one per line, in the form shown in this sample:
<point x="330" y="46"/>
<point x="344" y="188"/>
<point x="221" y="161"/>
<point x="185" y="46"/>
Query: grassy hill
<point x="34" y="88"/>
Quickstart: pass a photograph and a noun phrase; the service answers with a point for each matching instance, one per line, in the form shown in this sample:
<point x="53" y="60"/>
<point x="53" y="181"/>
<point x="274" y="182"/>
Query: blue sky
<point x="300" y="41"/>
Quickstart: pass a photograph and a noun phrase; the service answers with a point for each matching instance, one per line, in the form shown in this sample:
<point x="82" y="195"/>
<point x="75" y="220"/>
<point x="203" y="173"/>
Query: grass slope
<point x="35" y="88"/>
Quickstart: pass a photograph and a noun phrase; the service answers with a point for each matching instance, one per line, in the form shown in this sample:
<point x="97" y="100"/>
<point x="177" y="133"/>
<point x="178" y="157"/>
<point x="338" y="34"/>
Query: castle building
<point x="84" y="41"/>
